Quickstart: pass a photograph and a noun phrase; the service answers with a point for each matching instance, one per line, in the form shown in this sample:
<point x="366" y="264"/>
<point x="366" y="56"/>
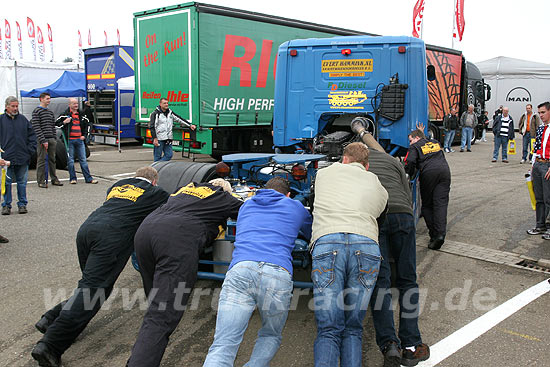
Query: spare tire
<point x="173" y="175"/>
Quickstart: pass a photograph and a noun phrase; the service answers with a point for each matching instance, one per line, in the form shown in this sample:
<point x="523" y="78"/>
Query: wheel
<point x="173" y="175"/>
<point x="474" y="136"/>
<point x="433" y="132"/>
<point x="60" y="155"/>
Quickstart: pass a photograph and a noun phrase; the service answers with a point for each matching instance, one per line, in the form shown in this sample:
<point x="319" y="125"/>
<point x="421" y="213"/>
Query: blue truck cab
<point x="322" y="84"/>
<point x="112" y="106"/>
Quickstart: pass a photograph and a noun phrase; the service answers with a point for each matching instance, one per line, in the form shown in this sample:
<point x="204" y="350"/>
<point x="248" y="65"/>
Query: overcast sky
<point x="493" y="27"/>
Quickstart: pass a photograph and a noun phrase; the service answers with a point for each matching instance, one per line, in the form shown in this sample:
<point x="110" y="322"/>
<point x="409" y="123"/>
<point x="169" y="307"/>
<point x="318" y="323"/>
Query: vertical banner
<point x="7" y="39"/>
<point x="1" y="48"/>
<point x="80" y="53"/>
<point x="30" y="30"/>
<point x="40" y="39"/>
<point x="19" y="41"/>
<point x="459" y="21"/>
<point x="106" y="42"/>
<point x="418" y="17"/>
<point x="89" y="38"/>
<point x="50" y="39"/>
<point x="118" y="36"/>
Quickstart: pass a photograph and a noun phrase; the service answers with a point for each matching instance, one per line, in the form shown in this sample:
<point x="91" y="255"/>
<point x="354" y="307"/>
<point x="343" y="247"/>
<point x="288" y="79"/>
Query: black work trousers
<point x="435" y="186"/>
<point x="103" y="252"/>
<point x="168" y="256"/>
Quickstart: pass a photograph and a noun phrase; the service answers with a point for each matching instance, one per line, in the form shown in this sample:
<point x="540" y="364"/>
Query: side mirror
<point x="431" y="72"/>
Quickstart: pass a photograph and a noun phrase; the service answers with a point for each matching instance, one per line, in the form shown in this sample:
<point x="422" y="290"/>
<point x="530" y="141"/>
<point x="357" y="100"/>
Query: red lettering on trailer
<point x="150" y="58"/>
<point x="265" y="57"/>
<point x="150" y="40"/>
<point x="230" y="61"/>
<point x="170" y="46"/>
<point x="177" y="97"/>
<point x="151" y="95"/>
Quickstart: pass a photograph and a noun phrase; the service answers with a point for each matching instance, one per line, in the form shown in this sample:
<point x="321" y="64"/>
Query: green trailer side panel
<point x="163" y="50"/>
<point x="237" y="68"/>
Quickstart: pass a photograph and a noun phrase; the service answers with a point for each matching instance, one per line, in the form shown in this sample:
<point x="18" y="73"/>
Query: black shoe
<point x="392" y="355"/>
<point x="469" y="150"/>
<point x="461" y="150"/>
<point x="6" y="210"/>
<point x="3" y="239"/>
<point x="43" y="324"/>
<point x="57" y="183"/>
<point x="437" y="242"/>
<point x="43" y="185"/>
<point x="23" y="209"/>
<point x="421" y="353"/>
<point x="44" y="356"/>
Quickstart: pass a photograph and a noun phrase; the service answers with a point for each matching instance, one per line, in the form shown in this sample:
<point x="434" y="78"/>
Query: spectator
<point x="349" y="202"/>
<point x="435" y="183"/>
<point x="161" y="124"/>
<point x="483" y="120"/>
<point x="528" y="122"/>
<point x="397" y="239"/>
<point x="75" y="128"/>
<point x="43" y="122"/>
<point x="167" y="247"/>
<point x="503" y="130"/>
<point x="267" y="227"/>
<point x="467" y="122"/>
<point x="18" y="140"/>
<point x="540" y="173"/>
<point x="3" y="163"/>
<point x="104" y="244"/>
<point x="450" y="123"/>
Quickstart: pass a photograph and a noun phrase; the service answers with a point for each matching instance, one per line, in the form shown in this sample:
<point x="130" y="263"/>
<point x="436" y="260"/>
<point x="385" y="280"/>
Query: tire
<point x="61" y="158"/>
<point x="433" y="132"/>
<point x="173" y="175"/>
<point x="474" y="136"/>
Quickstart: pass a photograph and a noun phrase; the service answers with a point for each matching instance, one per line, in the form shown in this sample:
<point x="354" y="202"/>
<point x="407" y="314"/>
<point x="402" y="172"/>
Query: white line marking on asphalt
<point x="481" y="325"/>
<point x="94" y="154"/>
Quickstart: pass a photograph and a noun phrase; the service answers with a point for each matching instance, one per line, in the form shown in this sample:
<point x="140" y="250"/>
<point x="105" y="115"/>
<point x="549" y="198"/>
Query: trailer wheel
<point x="173" y="175"/>
<point x="433" y="132"/>
<point x="61" y="157"/>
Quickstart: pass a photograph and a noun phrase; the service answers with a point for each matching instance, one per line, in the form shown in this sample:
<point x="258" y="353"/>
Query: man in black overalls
<point x="427" y="156"/>
<point x="167" y="245"/>
<point x="104" y="243"/>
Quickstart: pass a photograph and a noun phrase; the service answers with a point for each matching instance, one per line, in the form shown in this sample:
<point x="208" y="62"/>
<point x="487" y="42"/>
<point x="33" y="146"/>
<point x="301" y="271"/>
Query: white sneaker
<point x="522" y="161"/>
<point x="446" y="150"/>
<point x="452" y="151"/>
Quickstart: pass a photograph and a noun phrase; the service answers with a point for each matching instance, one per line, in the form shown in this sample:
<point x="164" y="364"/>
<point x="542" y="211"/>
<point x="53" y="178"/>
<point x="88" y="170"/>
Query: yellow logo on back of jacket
<point x="201" y="192"/>
<point x="430" y="147"/>
<point x="127" y="192"/>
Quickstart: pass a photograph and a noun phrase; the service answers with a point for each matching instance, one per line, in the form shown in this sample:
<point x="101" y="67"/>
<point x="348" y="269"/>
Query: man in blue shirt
<point x="260" y="274"/>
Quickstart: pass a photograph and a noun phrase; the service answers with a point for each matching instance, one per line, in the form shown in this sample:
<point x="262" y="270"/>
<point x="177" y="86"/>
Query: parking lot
<point x="475" y="272"/>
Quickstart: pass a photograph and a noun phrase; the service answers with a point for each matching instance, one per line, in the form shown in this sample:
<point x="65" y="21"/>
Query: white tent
<point x="515" y="83"/>
<point x="27" y="75"/>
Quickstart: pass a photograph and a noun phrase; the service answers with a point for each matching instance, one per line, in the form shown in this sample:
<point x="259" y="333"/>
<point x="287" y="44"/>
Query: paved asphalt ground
<point x="489" y="207"/>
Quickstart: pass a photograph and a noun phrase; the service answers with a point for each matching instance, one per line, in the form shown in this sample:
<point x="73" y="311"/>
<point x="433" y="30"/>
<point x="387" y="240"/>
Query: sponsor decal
<point x="347" y="85"/>
<point x="518" y="94"/>
<point x="239" y="104"/>
<point x="201" y="192"/>
<point x="151" y="95"/>
<point x="126" y="192"/>
<point x="430" y="147"/>
<point x="349" y="99"/>
<point x="346" y="68"/>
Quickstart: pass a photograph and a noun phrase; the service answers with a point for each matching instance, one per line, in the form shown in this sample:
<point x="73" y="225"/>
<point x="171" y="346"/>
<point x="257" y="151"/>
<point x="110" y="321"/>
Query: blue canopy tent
<point x="70" y="84"/>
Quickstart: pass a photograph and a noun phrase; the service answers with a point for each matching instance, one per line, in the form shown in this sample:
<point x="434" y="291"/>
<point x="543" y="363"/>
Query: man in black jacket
<point x="104" y="244"/>
<point x="435" y="183"/>
<point x="167" y="245"/>
<point x="503" y="130"/>
<point x="450" y="123"/>
<point x="75" y="127"/>
<point x="18" y="140"/>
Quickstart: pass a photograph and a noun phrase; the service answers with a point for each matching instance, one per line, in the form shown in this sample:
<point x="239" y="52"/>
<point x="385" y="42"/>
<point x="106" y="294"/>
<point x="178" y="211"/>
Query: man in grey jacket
<point x="161" y="123"/>
<point x="467" y="122"/>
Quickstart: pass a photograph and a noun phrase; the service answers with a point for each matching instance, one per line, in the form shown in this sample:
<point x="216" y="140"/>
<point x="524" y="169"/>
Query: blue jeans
<point x="249" y="284"/>
<point x="164" y="147"/>
<point x="20" y="174"/>
<point x="398" y="240"/>
<point x="466" y="138"/>
<point x="449" y="139"/>
<point x="526" y="145"/>
<point x="501" y="141"/>
<point x="344" y="271"/>
<point x="77" y="149"/>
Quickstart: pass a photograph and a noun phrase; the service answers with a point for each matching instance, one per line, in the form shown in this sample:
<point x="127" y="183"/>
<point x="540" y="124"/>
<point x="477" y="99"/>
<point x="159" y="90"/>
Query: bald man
<point x="75" y="126"/>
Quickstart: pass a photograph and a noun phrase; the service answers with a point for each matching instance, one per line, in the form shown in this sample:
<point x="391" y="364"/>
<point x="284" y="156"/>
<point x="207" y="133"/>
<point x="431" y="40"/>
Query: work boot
<point x="436" y="242"/>
<point x="23" y="209"/>
<point x="3" y="239"/>
<point x="6" y="210"/>
<point x="392" y="355"/>
<point x="56" y="183"/>
<point x="410" y="358"/>
<point x="43" y="324"/>
<point x="45" y="356"/>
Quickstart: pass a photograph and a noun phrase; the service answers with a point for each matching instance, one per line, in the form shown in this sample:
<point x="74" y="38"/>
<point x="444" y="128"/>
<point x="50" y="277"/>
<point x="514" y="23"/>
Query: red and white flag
<point x="7" y="39"/>
<point x="106" y="42"/>
<point x="1" y="48"/>
<point x="50" y="38"/>
<point x="40" y="39"/>
<point x="19" y="42"/>
<point x="30" y="30"/>
<point x="118" y="36"/>
<point x="80" y="53"/>
<point x="418" y="17"/>
<point x="89" y="37"/>
<point x="459" y="22"/>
